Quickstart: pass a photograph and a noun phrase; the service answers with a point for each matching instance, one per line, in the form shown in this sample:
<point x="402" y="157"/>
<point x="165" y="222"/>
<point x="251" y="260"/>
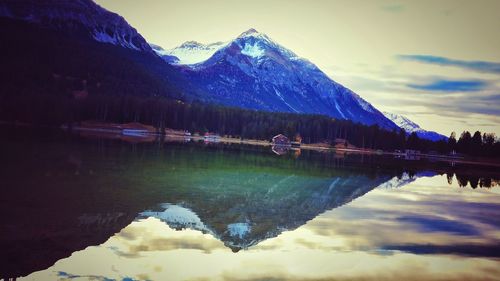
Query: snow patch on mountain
<point x="191" y="52"/>
<point x="239" y="230"/>
<point x="253" y="50"/>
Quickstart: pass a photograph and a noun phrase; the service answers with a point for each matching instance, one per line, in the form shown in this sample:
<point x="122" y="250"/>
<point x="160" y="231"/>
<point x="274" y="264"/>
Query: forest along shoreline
<point x="136" y="132"/>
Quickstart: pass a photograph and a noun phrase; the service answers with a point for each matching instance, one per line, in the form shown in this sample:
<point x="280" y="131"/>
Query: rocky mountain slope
<point x="253" y="71"/>
<point x="77" y="16"/>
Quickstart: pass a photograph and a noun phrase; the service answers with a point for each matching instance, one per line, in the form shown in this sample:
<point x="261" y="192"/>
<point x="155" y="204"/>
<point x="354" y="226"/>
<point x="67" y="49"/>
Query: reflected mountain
<point x="61" y="195"/>
<point x="243" y="208"/>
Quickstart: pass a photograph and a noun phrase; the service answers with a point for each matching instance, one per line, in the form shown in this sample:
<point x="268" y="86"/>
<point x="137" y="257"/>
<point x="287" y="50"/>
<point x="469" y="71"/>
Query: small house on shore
<point x="281" y="140"/>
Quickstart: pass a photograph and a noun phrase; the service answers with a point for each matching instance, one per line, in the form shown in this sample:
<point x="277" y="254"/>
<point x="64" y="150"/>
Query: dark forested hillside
<point x="44" y="66"/>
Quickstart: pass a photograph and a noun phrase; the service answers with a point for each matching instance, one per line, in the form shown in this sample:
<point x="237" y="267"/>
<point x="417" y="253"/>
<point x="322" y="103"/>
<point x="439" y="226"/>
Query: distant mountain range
<point x="190" y="52"/>
<point x="410" y="127"/>
<point x="251" y="71"/>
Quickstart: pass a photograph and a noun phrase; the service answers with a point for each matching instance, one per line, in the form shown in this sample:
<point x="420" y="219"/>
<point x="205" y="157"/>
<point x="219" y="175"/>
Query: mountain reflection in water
<point x="100" y="209"/>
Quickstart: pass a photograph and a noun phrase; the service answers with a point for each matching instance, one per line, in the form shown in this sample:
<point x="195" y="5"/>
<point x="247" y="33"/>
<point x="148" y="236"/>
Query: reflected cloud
<point x="272" y="208"/>
<point x="140" y="239"/>
<point x="436" y="224"/>
<point x="472" y="250"/>
<point x="419" y="218"/>
<point x="425" y="230"/>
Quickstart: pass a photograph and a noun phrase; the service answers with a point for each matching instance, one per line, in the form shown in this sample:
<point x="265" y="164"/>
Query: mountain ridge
<point x="252" y="71"/>
<point x="196" y="57"/>
<point x="81" y="16"/>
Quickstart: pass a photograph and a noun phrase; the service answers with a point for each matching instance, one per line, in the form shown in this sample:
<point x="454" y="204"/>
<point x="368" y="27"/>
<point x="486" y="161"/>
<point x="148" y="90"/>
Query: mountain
<point x="190" y="52"/>
<point x="410" y="127"/>
<point x="77" y="16"/>
<point x="163" y="54"/>
<point x="254" y="72"/>
<point x="58" y="48"/>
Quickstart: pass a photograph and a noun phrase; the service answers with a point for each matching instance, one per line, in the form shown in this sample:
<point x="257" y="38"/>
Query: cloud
<point x="444" y="85"/>
<point x="460" y="107"/>
<point x="68" y="276"/>
<point x="481" y="66"/>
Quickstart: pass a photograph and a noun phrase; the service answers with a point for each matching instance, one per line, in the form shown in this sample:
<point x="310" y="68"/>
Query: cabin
<point x="281" y="140"/>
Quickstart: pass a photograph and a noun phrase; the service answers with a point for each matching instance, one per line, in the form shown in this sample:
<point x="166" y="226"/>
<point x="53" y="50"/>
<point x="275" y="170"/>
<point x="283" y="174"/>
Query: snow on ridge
<point x="192" y="52"/>
<point x="254" y="33"/>
<point x="411" y="127"/>
<point x="403" y="122"/>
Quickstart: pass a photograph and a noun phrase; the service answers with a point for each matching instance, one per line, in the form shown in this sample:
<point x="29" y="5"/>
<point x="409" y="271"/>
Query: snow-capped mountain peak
<point x="192" y="44"/>
<point x="190" y="52"/>
<point x="250" y="32"/>
<point x="412" y="127"/>
<point x="255" y="34"/>
<point x="253" y="71"/>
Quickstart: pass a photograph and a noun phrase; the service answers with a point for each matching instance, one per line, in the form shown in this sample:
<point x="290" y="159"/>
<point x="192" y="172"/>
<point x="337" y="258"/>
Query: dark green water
<point x="68" y="202"/>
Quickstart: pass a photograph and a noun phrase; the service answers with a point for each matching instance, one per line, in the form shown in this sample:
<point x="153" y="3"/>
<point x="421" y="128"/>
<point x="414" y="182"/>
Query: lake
<point x="75" y="208"/>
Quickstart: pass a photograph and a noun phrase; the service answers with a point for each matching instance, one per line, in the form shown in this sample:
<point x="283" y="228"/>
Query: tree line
<point x="47" y="109"/>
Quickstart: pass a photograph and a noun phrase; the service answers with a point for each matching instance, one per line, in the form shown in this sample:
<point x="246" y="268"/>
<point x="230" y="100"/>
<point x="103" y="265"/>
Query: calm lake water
<point x="73" y="208"/>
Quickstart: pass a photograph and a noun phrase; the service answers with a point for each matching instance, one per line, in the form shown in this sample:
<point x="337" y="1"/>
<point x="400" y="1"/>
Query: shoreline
<point x="151" y="136"/>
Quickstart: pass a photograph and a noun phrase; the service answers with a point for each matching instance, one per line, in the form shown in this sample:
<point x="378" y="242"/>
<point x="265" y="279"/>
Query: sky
<point x="436" y="62"/>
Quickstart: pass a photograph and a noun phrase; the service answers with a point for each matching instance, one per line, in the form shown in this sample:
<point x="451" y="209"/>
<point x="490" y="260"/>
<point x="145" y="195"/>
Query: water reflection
<point x="422" y="231"/>
<point x="180" y="212"/>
